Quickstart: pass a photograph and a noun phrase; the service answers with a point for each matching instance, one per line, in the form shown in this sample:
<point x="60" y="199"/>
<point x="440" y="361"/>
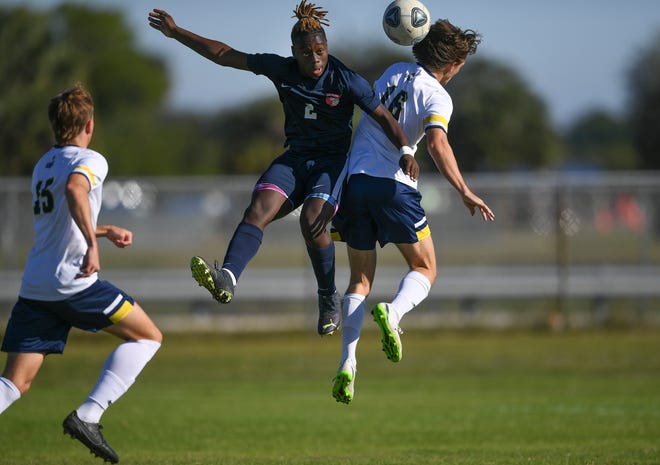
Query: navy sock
<point x="242" y="248"/>
<point x="323" y="262"/>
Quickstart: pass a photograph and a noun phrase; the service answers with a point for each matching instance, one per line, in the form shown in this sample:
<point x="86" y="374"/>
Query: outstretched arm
<point x="214" y="50"/>
<point x="444" y="159"/>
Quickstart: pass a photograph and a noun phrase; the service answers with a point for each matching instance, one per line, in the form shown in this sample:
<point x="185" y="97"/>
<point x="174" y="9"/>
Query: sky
<point x="573" y="54"/>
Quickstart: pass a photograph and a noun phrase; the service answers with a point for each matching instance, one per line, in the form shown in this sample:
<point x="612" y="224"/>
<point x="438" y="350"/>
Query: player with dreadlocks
<point x="318" y="95"/>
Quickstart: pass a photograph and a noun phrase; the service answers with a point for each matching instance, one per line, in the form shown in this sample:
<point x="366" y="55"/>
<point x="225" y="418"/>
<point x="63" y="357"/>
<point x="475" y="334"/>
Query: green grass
<point x="588" y="398"/>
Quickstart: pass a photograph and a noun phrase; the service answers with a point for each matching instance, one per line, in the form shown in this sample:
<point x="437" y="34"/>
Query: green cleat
<point x="344" y="384"/>
<point x="390" y="332"/>
<point x="217" y="282"/>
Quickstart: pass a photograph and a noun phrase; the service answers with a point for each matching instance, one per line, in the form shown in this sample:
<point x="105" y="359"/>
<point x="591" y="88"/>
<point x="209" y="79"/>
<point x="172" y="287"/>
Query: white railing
<point x="556" y="236"/>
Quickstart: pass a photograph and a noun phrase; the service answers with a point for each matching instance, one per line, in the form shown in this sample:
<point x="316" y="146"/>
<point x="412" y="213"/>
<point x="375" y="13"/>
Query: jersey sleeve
<point x="438" y="111"/>
<point x="365" y="96"/>
<point x="267" y="64"/>
<point x="93" y="166"/>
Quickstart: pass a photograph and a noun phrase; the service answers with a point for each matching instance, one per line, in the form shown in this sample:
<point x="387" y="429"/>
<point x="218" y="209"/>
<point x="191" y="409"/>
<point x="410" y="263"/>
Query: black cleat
<point x="329" y="314"/>
<point x="90" y="435"/>
<point x="217" y="282"/>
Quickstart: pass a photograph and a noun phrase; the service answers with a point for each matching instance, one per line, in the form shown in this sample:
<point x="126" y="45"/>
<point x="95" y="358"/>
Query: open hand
<point x="162" y="21"/>
<point x="472" y="202"/>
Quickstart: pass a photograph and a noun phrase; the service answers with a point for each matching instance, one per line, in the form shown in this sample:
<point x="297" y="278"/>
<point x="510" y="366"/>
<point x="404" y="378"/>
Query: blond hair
<point x="69" y="112"/>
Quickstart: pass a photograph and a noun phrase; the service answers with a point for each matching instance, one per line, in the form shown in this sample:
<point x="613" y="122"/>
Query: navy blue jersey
<point x="318" y="112"/>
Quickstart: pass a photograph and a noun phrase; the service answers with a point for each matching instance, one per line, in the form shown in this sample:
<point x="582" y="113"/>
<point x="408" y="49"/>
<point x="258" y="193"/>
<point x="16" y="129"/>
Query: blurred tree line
<point x="498" y="124"/>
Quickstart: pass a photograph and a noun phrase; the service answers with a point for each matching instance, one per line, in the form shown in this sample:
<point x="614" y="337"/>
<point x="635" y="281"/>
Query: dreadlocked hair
<point x="310" y="20"/>
<point x="445" y="44"/>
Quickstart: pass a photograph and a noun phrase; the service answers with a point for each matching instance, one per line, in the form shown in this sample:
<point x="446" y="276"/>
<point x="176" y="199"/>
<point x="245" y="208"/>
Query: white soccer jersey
<point x="418" y="101"/>
<point x="59" y="246"/>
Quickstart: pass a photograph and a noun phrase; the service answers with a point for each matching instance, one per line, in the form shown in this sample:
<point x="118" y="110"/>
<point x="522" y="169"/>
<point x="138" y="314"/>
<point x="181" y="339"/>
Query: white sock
<point x="352" y="310"/>
<point x="414" y="288"/>
<point x="231" y="275"/>
<point x="9" y="393"/>
<point x="118" y="374"/>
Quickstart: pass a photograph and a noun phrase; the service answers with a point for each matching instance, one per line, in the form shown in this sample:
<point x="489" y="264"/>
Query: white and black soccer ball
<point x="406" y="22"/>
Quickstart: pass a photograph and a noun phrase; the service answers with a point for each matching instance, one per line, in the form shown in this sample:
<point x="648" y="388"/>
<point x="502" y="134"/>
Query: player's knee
<point x="261" y="213"/>
<point x="431" y="274"/>
<point x="156" y="336"/>
<point x="137" y="325"/>
<point x="314" y="218"/>
<point x="314" y="231"/>
<point x="150" y="332"/>
<point x="23" y="385"/>
<point x="428" y="271"/>
<point x="309" y="235"/>
<point x="425" y="265"/>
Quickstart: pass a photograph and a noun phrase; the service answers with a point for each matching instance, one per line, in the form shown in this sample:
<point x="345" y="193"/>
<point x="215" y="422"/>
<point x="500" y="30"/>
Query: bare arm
<point x="445" y="161"/>
<point x="214" y="50"/>
<point x="396" y="135"/>
<point x="118" y="236"/>
<point x="77" y="190"/>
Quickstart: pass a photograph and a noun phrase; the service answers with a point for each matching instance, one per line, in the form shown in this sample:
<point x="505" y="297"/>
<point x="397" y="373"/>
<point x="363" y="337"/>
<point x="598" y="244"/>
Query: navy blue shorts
<point x="43" y="326"/>
<point x="380" y="209"/>
<point x="298" y="176"/>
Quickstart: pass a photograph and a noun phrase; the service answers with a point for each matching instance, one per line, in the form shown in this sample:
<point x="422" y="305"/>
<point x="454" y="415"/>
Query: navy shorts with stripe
<point x="380" y="209"/>
<point x="298" y="176"/>
<point x="43" y="326"/>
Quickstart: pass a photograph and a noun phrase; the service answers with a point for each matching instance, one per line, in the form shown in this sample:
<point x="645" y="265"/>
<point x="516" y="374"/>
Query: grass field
<point x="589" y="398"/>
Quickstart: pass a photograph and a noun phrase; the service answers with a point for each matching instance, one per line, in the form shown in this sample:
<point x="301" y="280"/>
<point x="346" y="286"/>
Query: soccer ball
<point x="406" y="22"/>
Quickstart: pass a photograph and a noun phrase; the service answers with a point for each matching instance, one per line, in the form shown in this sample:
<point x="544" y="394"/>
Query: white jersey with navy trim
<point x="418" y="101"/>
<point x="59" y="246"/>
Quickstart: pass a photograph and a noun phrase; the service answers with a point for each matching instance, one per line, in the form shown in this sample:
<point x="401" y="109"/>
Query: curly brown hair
<point x="69" y="112"/>
<point x="445" y="44"/>
<point x="310" y="20"/>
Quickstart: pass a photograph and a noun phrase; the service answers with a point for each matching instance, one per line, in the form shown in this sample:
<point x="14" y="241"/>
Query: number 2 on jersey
<point x="309" y="111"/>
